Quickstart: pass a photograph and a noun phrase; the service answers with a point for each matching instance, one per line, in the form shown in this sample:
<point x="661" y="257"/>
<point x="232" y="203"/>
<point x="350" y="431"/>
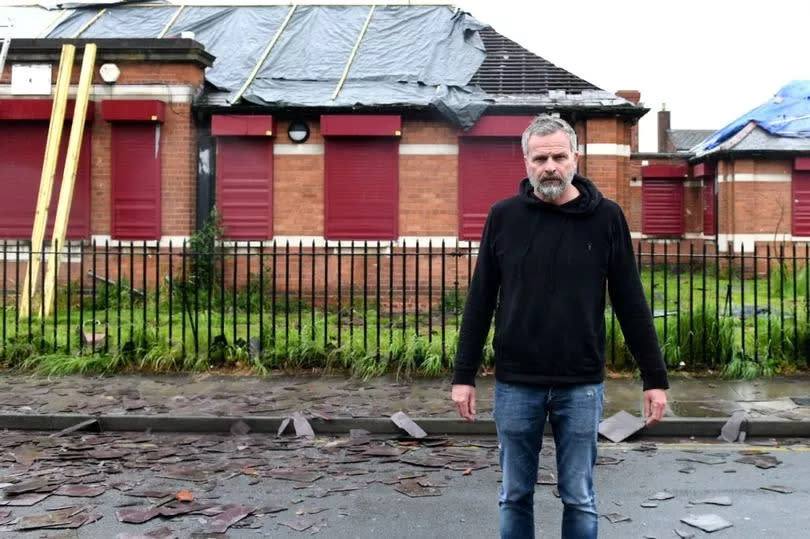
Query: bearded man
<point x="544" y="260"/>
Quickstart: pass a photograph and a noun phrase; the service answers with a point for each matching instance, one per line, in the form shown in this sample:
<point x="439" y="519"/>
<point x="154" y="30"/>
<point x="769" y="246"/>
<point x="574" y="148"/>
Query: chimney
<point x="633" y="96"/>
<point x="663" y="127"/>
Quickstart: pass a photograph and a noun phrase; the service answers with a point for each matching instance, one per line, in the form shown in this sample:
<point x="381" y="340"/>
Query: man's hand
<point x="655" y="402"/>
<point x="464" y="397"/>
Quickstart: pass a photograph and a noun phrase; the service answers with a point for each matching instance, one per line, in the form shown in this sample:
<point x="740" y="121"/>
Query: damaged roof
<point x="349" y="56"/>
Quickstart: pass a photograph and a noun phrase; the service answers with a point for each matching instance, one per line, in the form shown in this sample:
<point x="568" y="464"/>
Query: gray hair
<point x="546" y="124"/>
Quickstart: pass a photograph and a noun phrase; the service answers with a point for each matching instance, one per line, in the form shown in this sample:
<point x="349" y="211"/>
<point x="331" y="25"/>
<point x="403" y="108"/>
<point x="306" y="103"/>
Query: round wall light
<point x="298" y="131"/>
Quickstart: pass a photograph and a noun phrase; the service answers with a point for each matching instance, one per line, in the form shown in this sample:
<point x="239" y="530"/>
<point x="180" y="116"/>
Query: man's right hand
<point x="464" y="397"/>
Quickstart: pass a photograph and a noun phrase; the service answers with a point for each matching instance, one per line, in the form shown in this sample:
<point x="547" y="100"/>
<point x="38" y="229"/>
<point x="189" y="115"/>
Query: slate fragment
<point x="404" y="422"/>
<point x="302" y="427"/>
<point x="663" y="495"/>
<point x="620" y="426"/>
<point x="137" y="515"/>
<point x="734" y="429"/>
<point x="299" y="524"/>
<point x="703" y="459"/>
<point x="778" y="488"/>
<point x="717" y="500"/>
<point x="301" y="476"/>
<point x="708" y="523"/>
<point x="413" y="489"/>
<point x="25" y="500"/>
<point x="760" y="461"/>
<point x="160" y="533"/>
<point x="232" y="515"/>
<point x="90" y="424"/>
<point x="684" y="534"/>
<point x="607" y="461"/>
<point x="80" y="491"/>
<point x="616" y="517"/>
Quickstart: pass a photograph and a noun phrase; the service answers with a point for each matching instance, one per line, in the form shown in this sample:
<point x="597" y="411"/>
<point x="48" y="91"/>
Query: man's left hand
<point x="655" y="402"/>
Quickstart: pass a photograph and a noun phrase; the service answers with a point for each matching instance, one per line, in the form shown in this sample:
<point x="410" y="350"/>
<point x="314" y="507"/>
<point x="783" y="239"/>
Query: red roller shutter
<point x="662" y="207"/>
<point x="22" y="150"/>
<point x="244" y="186"/>
<point x="801" y="202"/>
<point x="489" y="169"/>
<point x="135" y="181"/>
<point x="362" y="176"/>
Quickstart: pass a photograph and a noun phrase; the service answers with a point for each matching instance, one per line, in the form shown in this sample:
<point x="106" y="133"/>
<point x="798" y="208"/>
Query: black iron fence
<point x="380" y="304"/>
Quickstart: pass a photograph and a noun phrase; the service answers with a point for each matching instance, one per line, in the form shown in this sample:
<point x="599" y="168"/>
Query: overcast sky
<point x="710" y="61"/>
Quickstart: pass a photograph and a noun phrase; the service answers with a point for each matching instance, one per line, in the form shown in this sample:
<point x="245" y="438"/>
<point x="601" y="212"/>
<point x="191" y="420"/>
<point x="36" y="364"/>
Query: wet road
<point x="362" y="486"/>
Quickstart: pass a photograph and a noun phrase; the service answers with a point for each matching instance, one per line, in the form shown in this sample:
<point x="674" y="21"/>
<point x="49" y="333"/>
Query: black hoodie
<point x="547" y="267"/>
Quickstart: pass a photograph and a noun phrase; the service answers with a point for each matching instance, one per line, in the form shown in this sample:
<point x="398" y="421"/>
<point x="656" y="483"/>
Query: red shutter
<point x="22" y="151"/>
<point x="489" y="169"/>
<point x="245" y="186"/>
<point x="709" y="225"/>
<point x="362" y="175"/>
<point x="662" y="207"/>
<point x="135" y="181"/>
<point x="801" y="202"/>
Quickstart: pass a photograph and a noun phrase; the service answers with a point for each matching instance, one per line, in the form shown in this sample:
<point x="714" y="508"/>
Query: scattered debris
<point x="703" y="459"/>
<point x="708" y="523"/>
<point x="620" y="426"/>
<point x="232" y="514"/>
<point x="608" y="461"/>
<point x="660" y="496"/>
<point x="404" y="422"/>
<point x="649" y="505"/>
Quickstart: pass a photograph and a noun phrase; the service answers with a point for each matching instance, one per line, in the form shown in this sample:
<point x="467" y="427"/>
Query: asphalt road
<point x="355" y="495"/>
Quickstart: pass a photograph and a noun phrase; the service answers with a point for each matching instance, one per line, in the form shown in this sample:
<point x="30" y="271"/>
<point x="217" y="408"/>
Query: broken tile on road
<point x="25" y="500"/>
<point x="232" y="515"/>
<point x="608" y="461"/>
<point x="703" y="459"/>
<point x="160" y="533"/>
<point x="760" y="461"/>
<point x="412" y="488"/>
<point x="683" y="534"/>
<point x="298" y="524"/>
<point x="708" y="523"/>
<point x="717" y="500"/>
<point x="663" y="495"/>
<point x="137" y="515"/>
<point x="297" y="476"/>
<point x="80" y="491"/>
<point x="620" y="426"/>
<point x="404" y="422"/>
<point x="778" y="488"/>
<point x="616" y="517"/>
<point x="649" y="505"/>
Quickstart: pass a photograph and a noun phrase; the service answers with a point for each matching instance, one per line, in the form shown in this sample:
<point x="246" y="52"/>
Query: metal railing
<point x="379" y="301"/>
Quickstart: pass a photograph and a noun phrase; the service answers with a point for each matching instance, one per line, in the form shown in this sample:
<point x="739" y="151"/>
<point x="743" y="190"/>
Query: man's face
<point x="550" y="164"/>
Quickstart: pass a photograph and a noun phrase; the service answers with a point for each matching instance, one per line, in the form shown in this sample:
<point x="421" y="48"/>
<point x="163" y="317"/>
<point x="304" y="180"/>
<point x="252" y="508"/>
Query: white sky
<point x="710" y="61"/>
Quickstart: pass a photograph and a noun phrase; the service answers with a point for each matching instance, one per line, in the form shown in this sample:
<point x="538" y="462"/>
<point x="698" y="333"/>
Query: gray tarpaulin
<point x="408" y="55"/>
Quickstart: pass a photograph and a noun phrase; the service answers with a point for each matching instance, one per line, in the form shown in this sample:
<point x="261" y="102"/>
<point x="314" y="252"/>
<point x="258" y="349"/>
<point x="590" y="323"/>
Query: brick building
<point x="743" y="186"/>
<point x="402" y="151"/>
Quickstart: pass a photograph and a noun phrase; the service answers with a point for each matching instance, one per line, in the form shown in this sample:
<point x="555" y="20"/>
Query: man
<point x="545" y="256"/>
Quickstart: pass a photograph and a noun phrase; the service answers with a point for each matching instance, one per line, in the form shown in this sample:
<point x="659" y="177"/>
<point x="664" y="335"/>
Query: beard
<point x="551" y="186"/>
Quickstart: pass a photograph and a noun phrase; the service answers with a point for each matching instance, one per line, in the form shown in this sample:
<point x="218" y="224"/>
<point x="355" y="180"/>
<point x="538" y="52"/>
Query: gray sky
<point x="710" y="61"/>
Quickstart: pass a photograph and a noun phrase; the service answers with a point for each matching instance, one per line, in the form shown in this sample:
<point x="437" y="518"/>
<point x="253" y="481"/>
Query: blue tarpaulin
<point x="787" y="114"/>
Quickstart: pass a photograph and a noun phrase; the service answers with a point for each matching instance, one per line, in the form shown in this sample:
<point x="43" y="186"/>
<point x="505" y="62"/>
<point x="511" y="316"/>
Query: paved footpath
<point x="785" y="398"/>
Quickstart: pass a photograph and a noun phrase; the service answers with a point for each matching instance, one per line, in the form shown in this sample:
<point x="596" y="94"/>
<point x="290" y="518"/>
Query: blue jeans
<point x="520" y="417"/>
